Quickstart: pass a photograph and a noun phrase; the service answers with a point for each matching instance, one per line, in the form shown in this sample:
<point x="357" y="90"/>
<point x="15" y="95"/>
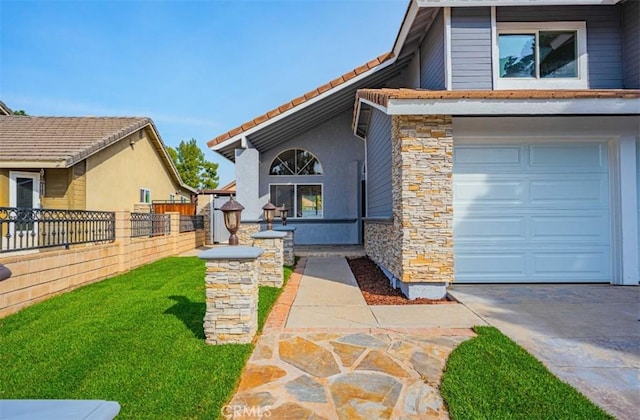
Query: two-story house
<point x="498" y="141"/>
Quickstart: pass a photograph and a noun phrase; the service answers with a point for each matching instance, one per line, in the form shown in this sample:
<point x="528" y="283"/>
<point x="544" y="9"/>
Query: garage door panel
<point x="579" y="265"/>
<point x="590" y="156"/>
<point x="574" y="192"/>
<point x="490" y="228"/>
<point x="582" y="229"/>
<point x="543" y="219"/>
<point x="494" y="156"/>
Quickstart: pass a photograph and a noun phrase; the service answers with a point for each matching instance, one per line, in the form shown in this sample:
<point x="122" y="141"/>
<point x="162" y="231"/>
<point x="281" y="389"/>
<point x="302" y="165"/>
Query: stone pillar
<point x="270" y="263"/>
<point x="231" y="286"/>
<point x="289" y="253"/>
<point x="246" y="230"/>
<point x="123" y="239"/>
<point x="422" y="168"/>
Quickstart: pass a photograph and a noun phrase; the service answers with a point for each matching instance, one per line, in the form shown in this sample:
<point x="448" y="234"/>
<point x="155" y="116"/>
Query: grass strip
<point x="491" y="377"/>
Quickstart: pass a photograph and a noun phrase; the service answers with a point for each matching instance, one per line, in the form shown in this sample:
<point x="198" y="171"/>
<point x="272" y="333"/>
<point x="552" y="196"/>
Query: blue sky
<point x="197" y="68"/>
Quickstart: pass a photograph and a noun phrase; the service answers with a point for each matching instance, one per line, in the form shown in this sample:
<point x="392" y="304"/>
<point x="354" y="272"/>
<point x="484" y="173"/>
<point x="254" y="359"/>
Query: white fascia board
<point x="359" y="107"/>
<point x="405" y="28"/>
<point x="477" y="3"/>
<point x="303" y="105"/>
<point x="373" y="105"/>
<point x="588" y="106"/>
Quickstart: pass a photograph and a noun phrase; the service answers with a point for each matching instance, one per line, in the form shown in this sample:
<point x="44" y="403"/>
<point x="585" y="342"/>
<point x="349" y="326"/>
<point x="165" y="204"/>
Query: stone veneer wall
<point x="422" y="185"/>
<point x="270" y="262"/>
<point x="382" y="243"/>
<point x="231" y="288"/>
<point x="245" y="232"/>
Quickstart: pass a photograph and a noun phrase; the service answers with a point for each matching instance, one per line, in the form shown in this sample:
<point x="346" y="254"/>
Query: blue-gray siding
<point x="471" y="48"/>
<point x="604" y="36"/>
<point x="432" y="56"/>
<point x="631" y="44"/>
<point x="379" y="198"/>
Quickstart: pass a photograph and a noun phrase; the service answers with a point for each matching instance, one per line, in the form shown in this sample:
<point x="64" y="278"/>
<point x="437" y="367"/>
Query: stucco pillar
<point x="422" y="168"/>
<point x="123" y="239"/>
<point x="271" y="261"/>
<point x="231" y="288"/>
<point x="628" y="230"/>
<point x="247" y="183"/>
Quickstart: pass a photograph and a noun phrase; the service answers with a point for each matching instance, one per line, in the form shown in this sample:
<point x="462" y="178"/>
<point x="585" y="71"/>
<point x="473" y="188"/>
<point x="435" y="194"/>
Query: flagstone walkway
<point x="343" y="373"/>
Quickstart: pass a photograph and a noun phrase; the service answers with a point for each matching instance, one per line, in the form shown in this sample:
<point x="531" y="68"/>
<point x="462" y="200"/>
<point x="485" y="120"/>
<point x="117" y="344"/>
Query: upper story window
<point x="295" y="162"/>
<point x="540" y="55"/>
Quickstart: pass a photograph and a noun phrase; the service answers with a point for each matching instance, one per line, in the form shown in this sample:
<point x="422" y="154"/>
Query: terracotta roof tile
<point x="301" y="99"/>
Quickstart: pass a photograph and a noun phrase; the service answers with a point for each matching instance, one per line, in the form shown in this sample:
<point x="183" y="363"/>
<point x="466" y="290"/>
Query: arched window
<point x="295" y="162"/>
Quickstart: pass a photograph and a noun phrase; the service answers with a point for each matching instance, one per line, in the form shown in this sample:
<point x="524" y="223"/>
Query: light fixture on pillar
<point x="269" y="214"/>
<point x="283" y="213"/>
<point x="232" y="215"/>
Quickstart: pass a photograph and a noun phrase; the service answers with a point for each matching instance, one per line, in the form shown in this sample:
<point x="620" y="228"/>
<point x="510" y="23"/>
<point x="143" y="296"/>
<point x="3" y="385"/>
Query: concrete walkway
<point x="325" y="354"/>
<point x="587" y="335"/>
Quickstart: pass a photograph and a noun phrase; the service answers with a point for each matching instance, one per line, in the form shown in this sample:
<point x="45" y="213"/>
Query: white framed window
<point x="304" y="201"/>
<point x="295" y="162"/>
<point x="145" y="195"/>
<point x="540" y="55"/>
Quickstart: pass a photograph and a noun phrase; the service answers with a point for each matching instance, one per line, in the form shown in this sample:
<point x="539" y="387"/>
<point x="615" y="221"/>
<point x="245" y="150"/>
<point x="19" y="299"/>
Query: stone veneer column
<point x="245" y="231"/>
<point x="270" y="262"/>
<point x="289" y="252"/>
<point x="231" y="286"/>
<point x="422" y="167"/>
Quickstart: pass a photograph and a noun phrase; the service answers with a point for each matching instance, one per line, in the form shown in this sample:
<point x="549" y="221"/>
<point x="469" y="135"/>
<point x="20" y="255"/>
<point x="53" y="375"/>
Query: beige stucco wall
<point x="4" y="187"/>
<point x="116" y="174"/>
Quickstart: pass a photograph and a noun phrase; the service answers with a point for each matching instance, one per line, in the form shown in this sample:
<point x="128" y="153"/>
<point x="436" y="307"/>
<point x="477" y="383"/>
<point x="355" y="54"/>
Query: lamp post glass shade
<point x="269" y="214"/>
<point x="283" y="213"/>
<point x="232" y="216"/>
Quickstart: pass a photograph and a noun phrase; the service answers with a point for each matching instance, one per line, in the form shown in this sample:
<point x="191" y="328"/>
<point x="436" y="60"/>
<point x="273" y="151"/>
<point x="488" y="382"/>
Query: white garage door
<point x="531" y="212"/>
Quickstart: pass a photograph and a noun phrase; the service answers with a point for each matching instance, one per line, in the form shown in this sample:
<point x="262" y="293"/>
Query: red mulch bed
<point x="376" y="287"/>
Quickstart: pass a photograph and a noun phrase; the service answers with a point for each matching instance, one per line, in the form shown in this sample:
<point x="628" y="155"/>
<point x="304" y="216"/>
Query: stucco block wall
<point x="422" y="177"/>
<point x="116" y="174"/>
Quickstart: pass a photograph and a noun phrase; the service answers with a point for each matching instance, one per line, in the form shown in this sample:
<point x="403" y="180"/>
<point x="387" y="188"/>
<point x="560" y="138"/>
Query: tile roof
<point x="66" y="140"/>
<point x="301" y="99"/>
<point x="382" y="96"/>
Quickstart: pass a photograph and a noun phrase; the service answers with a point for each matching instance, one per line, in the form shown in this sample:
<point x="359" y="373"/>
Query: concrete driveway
<point x="587" y="335"/>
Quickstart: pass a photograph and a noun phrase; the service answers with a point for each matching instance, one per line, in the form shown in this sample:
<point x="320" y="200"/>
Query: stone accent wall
<point x="422" y="185"/>
<point x="382" y="243"/>
<point x="289" y="257"/>
<point x="270" y="262"/>
<point x="231" y="301"/>
<point x="204" y="209"/>
<point x="245" y="232"/>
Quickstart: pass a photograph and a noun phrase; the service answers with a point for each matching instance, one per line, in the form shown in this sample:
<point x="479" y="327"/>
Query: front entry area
<point x="531" y="211"/>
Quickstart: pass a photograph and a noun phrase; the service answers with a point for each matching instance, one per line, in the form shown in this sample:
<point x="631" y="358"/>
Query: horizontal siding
<point x="631" y="44"/>
<point x="432" y="56"/>
<point x="471" y="48"/>
<point x="379" y="198"/>
<point x="604" y="36"/>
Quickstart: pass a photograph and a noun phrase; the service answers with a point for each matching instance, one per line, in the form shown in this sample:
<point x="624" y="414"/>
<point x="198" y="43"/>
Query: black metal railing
<point x="28" y="228"/>
<point x="191" y="223"/>
<point x="150" y="224"/>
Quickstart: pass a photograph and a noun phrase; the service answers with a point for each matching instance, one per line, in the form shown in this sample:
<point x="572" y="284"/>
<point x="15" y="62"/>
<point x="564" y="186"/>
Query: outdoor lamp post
<point x="283" y="214"/>
<point x="269" y="213"/>
<point x="232" y="211"/>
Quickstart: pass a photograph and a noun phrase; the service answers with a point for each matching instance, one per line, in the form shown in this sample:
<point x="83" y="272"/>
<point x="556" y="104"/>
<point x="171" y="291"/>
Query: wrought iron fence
<point x="150" y="224"/>
<point x="191" y="223"/>
<point x="28" y="228"/>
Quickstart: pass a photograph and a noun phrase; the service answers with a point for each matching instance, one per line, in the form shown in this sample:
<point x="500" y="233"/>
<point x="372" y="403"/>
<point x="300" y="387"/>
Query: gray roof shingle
<point x="64" y="140"/>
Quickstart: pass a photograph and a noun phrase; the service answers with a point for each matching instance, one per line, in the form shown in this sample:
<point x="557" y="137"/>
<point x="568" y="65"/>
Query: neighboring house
<point x="497" y="142"/>
<point x="5" y="110"/>
<point x="85" y="163"/>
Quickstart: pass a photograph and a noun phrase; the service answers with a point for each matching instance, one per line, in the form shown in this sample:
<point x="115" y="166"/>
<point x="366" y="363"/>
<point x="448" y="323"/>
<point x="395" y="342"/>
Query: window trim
<point x="293" y="212"/>
<point x="295" y="149"/>
<point x="145" y="190"/>
<point x="580" y="82"/>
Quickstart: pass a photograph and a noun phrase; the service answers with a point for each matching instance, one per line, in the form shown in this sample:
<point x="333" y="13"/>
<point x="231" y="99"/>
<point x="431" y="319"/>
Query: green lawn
<point x="491" y="377"/>
<point x="136" y="338"/>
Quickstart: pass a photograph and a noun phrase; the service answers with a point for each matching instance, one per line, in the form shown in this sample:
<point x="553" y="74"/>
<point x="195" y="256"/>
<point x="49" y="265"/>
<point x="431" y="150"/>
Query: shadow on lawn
<point x="190" y="313"/>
